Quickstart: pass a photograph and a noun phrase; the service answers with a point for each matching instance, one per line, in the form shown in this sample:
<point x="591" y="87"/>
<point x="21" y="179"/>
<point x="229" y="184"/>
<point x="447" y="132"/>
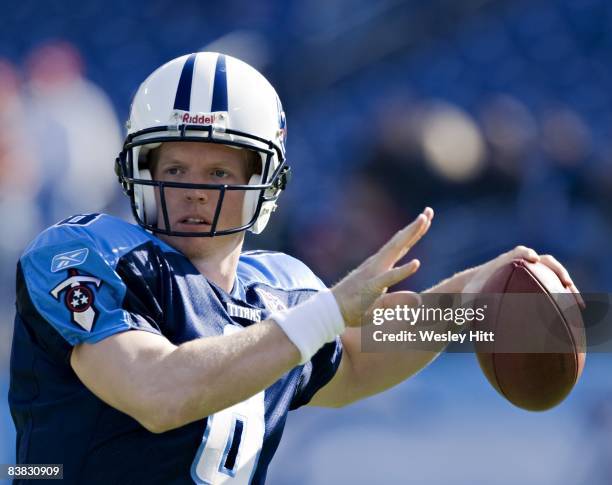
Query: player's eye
<point x="220" y="173"/>
<point x="173" y="171"/>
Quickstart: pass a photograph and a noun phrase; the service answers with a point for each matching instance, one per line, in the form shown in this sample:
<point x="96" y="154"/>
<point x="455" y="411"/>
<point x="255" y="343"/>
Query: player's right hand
<point x="358" y="291"/>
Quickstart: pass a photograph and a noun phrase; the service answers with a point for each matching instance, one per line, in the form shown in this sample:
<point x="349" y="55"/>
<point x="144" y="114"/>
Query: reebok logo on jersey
<point x="69" y="259"/>
<point x="78" y="298"/>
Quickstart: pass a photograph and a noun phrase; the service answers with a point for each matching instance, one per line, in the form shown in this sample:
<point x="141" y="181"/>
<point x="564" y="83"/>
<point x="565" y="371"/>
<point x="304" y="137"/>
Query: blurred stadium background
<point x="496" y="113"/>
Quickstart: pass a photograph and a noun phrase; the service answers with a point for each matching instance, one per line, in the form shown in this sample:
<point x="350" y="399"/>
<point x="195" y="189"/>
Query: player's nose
<point x="196" y="195"/>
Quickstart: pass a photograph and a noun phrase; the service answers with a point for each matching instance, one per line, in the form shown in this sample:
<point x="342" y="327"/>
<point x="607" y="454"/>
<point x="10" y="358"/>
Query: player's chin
<point x="192" y="247"/>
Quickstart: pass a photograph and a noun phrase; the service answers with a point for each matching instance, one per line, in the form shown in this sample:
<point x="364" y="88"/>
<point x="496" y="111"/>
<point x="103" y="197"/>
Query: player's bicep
<point x="120" y="370"/>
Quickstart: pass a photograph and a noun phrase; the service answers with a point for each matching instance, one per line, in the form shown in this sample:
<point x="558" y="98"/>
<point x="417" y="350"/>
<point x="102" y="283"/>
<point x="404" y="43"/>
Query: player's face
<point x="192" y="210"/>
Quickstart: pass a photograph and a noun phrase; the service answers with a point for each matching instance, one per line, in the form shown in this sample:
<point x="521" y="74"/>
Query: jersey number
<point x="79" y="220"/>
<point x="231" y="444"/>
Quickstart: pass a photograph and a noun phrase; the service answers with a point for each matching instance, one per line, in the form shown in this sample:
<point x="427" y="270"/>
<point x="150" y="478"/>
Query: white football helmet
<point x="212" y="98"/>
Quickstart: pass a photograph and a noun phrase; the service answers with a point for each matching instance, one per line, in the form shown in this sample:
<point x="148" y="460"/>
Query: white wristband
<point x="311" y="324"/>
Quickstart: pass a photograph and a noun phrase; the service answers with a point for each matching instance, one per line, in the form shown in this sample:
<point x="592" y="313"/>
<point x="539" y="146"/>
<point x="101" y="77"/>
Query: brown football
<point x="538" y="351"/>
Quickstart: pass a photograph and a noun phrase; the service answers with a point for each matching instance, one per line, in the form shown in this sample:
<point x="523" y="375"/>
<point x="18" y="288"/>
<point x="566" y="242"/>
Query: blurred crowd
<point x="496" y="113"/>
<point x="59" y="134"/>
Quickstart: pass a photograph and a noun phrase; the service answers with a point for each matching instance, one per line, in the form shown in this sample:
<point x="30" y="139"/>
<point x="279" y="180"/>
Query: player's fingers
<point x="558" y="268"/>
<point x="402" y="241"/>
<point x="395" y="275"/>
<point x="524" y="252"/>
<point x="404" y="237"/>
<point x="564" y="276"/>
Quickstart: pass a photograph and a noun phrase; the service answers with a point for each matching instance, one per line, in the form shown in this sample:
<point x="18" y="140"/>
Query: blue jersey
<point x="92" y="276"/>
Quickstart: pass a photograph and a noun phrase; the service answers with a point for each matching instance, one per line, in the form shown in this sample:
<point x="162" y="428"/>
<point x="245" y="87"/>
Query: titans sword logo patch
<point x="79" y="298"/>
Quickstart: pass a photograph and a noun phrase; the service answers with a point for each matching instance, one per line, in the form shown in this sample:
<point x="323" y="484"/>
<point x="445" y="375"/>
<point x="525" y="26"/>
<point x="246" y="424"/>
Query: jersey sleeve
<point x="317" y="372"/>
<point x="73" y="289"/>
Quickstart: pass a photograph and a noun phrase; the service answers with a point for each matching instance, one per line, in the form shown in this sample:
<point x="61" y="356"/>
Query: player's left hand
<point x="483" y="272"/>
<point x="361" y="288"/>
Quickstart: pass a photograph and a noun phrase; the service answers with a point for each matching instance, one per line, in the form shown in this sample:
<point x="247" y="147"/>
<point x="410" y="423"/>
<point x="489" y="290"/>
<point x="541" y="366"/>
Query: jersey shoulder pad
<point x="278" y="270"/>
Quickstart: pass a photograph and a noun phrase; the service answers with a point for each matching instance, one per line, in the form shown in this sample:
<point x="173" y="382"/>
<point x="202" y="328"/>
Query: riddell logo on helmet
<point x="199" y="118"/>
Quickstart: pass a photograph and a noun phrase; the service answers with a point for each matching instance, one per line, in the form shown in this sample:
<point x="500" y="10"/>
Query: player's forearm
<point x="164" y="386"/>
<point x="206" y="375"/>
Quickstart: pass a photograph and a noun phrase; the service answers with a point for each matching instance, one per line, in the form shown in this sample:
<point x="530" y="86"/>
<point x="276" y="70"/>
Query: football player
<point x="162" y="353"/>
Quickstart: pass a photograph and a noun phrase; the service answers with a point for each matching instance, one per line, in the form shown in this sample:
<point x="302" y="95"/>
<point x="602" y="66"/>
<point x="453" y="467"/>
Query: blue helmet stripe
<point x="182" y="100"/>
<point x="219" y="96"/>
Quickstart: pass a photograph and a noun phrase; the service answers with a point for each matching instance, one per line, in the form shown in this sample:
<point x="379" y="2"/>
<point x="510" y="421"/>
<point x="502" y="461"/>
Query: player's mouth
<point x="194" y="221"/>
